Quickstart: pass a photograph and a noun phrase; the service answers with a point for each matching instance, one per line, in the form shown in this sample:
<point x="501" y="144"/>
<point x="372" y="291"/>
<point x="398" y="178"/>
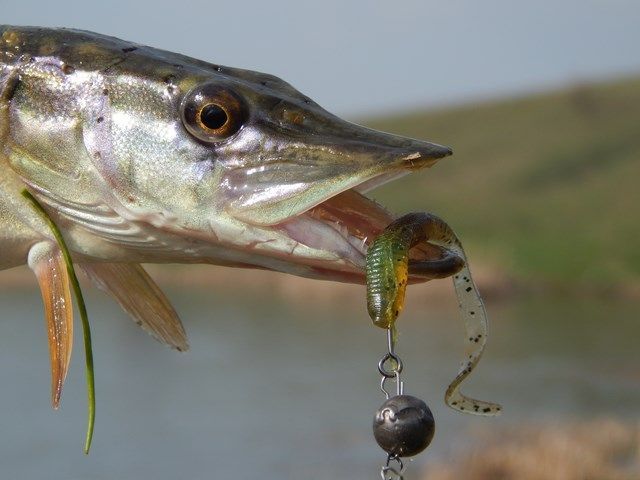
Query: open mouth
<point x="345" y="225"/>
<point x="317" y="201"/>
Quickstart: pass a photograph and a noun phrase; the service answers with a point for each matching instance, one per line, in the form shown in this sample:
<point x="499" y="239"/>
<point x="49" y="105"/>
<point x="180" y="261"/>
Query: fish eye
<point x="213" y="116"/>
<point x="212" y="113"/>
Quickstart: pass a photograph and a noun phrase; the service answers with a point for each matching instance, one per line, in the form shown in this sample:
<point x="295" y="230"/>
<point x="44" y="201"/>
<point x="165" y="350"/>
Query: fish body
<point x="139" y="155"/>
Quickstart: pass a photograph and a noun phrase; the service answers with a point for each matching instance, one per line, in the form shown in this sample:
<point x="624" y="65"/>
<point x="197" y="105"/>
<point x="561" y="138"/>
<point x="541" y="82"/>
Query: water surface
<point x="280" y="389"/>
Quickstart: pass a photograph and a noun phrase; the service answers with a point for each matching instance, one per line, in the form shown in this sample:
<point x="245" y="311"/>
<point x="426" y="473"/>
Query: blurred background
<point x="541" y="104"/>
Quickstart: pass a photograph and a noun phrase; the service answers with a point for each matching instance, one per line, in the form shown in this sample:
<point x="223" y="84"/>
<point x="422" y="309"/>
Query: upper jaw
<point x="301" y="178"/>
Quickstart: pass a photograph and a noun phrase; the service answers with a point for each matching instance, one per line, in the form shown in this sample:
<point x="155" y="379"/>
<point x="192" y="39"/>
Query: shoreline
<point x="493" y="284"/>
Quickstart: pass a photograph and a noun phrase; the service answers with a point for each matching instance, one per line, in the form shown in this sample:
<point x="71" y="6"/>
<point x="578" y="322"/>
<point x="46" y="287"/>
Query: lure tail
<point x="475" y="322"/>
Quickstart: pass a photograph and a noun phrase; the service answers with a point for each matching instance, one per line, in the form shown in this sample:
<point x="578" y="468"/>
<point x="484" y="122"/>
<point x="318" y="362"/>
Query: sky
<point x="374" y="57"/>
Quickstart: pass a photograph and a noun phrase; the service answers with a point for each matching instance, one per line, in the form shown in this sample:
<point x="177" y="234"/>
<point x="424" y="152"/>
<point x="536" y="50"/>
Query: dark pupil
<point x="213" y="116"/>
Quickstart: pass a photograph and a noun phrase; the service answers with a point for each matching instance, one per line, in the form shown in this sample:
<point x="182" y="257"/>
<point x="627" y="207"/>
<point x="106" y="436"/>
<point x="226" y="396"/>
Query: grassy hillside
<point x="546" y="187"/>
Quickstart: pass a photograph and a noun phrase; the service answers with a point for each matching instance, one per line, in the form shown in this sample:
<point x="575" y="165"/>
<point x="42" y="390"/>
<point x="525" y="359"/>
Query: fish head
<point x="283" y="180"/>
<point x="220" y="165"/>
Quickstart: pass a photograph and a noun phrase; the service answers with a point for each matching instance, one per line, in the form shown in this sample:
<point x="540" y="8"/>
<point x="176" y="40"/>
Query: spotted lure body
<point x="388" y="271"/>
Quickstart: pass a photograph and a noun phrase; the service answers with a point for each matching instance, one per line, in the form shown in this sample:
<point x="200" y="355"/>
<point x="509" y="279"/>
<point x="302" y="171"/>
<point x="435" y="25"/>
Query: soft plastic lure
<point x="388" y="269"/>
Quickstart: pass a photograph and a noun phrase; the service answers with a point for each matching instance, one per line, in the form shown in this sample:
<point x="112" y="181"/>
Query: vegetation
<point x="604" y="449"/>
<point x="543" y="187"/>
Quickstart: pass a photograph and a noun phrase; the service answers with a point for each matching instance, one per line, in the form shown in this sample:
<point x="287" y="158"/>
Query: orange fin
<point x="141" y="298"/>
<point x="47" y="262"/>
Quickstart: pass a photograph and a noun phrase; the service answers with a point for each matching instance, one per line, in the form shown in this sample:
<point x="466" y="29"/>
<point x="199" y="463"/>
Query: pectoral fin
<point x="47" y="262"/>
<point x="141" y="298"/>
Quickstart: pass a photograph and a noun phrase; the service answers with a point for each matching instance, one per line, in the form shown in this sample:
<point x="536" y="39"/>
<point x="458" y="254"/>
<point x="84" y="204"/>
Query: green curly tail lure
<point x="388" y="268"/>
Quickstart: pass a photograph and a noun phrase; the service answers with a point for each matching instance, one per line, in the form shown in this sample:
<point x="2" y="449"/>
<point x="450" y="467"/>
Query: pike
<point x="145" y="156"/>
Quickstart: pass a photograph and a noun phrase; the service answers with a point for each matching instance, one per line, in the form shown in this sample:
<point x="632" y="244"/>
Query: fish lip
<point x="432" y="153"/>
